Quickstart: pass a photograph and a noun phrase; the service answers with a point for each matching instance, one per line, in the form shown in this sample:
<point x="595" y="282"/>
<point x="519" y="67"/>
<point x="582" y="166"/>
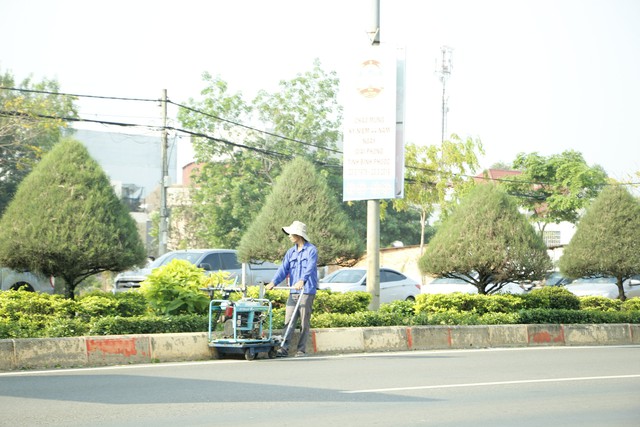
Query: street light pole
<point x="163" y="226"/>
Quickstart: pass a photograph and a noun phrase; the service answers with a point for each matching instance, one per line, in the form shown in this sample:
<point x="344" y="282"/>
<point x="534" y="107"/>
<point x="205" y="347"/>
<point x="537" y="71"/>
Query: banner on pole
<point x="373" y="142"/>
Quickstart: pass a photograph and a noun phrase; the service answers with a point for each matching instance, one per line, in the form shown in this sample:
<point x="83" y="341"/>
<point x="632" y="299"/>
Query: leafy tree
<point x="301" y="193"/>
<point x="606" y="242"/>
<point x="487" y="243"/>
<point x="66" y="221"/>
<point x="555" y="188"/>
<point x="241" y="162"/>
<point x="31" y="123"/>
<point x="402" y="225"/>
<point x="435" y="175"/>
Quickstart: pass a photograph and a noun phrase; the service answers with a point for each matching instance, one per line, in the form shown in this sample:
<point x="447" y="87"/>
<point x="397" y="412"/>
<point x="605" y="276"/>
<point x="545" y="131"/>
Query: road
<point x="563" y="386"/>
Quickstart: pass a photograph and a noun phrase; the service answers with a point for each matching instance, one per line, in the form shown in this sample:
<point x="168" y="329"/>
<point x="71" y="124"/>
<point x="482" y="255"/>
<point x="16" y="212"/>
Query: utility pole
<point x="373" y="206"/>
<point x="443" y="70"/>
<point x="162" y="232"/>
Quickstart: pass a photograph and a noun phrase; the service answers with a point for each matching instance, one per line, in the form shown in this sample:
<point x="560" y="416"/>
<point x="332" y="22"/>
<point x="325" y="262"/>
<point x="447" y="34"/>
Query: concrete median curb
<point x="46" y="353"/>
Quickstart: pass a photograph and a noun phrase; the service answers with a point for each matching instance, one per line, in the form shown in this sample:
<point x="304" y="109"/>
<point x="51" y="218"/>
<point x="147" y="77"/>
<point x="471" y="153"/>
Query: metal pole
<point x="162" y="232"/>
<point x="373" y="206"/>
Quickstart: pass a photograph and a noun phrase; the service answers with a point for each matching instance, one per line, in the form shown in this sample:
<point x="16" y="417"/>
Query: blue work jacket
<point x="300" y="265"/>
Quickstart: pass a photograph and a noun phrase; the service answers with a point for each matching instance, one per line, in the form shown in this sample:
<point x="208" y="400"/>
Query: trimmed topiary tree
<point x="66" y="221"/>
<point x="487" y="243"/>
<point x="301" y="193"/>
<point x="606" y="242"/>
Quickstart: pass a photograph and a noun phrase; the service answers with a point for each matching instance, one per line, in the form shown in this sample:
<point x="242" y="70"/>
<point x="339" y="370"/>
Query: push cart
<point x="246" y="325"/>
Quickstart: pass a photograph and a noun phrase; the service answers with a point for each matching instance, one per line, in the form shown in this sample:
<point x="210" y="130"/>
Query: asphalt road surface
<point x="560" y="386"/>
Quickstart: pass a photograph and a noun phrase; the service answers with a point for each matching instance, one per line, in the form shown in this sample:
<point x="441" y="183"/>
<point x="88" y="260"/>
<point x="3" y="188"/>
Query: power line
<point x="44" y="92"/>
<point x="253" y="129"/>
<point x="263" y="151"/>
<point x="177" y="105"/>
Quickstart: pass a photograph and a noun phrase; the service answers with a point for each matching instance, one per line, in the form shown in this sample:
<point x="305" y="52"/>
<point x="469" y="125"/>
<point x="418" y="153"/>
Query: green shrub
<point x="131" y="304"/>
<point x="631" y="304"/>
<point x="600" y="303"/>
<point x="60" y="327"/>
<point x="404" y="309"/>
<point x="150" y="325"/>
<point x="359" y="319"/>
<point x="500" y="319"/>
<point x="22" y="304"/>
<point x="552" y="297"/>
<point x="97" y="304"/>
<point x="442" y="303"/>
<point x="471" y="303"/>
<point x="175" y="289"/>
<point x="327" y="301"/>
<point x="562" y="316"/>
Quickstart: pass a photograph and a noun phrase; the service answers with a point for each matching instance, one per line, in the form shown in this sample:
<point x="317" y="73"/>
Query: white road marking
<point x="546" y="380"/>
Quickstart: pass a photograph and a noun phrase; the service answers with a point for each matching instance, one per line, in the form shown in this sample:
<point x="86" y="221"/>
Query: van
<point x="210" y="260"/>
<point x="27" y="280"/>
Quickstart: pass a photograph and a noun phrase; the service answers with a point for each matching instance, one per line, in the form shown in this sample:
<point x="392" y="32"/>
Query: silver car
<point x="393" y="284"/>
<point x="445" y="285"/>
<point x="604" y="287"/>
<point x="210" y="260"/>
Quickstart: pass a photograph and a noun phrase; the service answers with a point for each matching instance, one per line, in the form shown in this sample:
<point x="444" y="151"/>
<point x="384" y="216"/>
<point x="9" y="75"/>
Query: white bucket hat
<point x="298" y="228"/>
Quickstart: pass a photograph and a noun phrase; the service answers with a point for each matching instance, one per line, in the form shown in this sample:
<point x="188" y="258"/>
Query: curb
<point x="45" y="353"/>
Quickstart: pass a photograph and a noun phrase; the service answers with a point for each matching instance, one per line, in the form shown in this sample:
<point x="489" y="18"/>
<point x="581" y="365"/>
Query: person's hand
<point x="299" y="285"/>
<point x="269" y="286"/>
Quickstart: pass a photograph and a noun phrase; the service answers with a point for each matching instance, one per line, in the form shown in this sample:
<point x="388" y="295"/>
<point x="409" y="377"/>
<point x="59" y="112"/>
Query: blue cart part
<point x="247" y="327"/>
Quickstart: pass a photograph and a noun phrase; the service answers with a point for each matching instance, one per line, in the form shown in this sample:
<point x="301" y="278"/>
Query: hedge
<point x="33" y="315"/>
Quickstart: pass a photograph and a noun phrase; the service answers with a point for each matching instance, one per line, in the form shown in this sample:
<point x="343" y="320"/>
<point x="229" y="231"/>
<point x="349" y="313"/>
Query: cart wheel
<point x="273" y="353"/>
<point x="249" y="355"/>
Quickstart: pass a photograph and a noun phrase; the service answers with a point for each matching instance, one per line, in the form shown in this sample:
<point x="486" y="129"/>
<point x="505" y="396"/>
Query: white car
<point x="394" y="285"/>
<point x="445" y="285"/>
<point x="604" y="287"/>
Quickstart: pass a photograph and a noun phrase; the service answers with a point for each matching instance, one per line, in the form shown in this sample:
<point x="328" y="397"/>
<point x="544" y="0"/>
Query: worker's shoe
<point x="301" y="354"/>
<point x="282" y="352"/>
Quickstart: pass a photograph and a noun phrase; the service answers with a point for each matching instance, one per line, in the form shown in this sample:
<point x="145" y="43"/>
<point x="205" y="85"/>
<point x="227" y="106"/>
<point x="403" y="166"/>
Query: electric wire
<point x="199" y="134"/>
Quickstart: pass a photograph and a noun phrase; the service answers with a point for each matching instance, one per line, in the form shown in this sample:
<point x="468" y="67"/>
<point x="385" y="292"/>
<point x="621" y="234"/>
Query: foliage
<point x="551" y="297"/>
<point x="606" y="239"/>
<point x="150" y="324"/>
<point x="31" y="122"/>
<point x="174" y="289"/>
<point x="395" y="225"/>
<point x="486" y="242"/>
<point x="631" y="304"/>
<point x="403" y="308"/>
<point x="34" y="315"/>
<point x="66" y="221"/>
<point x="327" y="301"/>
<point x="472" y="303"/>
<point x="435" y="173"/>
<point x="301" y="193"/>
<point x="359" y="319"/>
<point x="555" y="188"/>
<point x="16" y="305"/>
<point x="101" y="304"/>
<point x="600" y="303"/>
<point x="562" y="316"/>
<point x="240" y="164"/>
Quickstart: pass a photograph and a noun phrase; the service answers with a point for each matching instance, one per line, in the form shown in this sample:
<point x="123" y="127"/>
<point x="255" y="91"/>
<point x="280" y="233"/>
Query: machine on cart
<point x="246" y="325"/>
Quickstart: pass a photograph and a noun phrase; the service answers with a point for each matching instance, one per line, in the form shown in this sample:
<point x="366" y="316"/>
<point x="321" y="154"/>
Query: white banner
<point x="372" y="140"/>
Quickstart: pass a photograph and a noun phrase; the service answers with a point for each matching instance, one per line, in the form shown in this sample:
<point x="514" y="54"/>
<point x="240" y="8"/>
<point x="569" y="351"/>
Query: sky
<point x="528" y="76"/>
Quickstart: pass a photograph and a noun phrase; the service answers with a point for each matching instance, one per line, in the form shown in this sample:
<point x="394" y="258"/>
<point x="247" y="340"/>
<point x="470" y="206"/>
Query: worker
<point x="300" y="263"/>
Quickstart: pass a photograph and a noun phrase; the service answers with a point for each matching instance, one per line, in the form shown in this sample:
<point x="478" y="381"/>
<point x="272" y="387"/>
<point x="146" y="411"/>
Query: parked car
<point x="33" y="282"/>
<point x="555" y="278"/>
<point x="445" y="285"/>
<point x="604" y="287"/>
<point x="211" y="260"/>
<point x="393" y="284"/>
